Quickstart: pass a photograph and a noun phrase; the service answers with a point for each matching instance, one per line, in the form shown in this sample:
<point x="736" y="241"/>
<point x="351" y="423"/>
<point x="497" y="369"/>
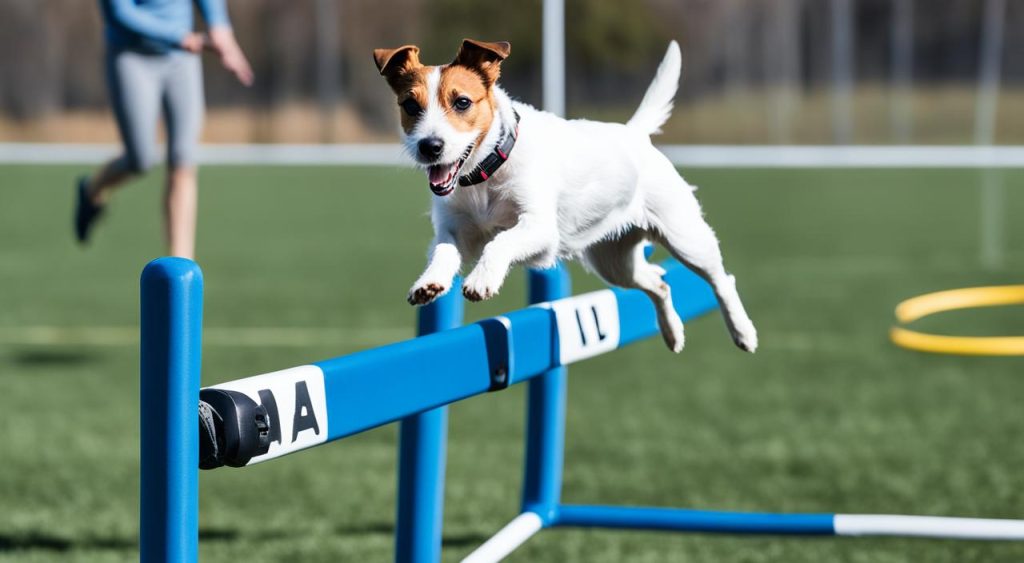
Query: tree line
<point x="318" y="51"/>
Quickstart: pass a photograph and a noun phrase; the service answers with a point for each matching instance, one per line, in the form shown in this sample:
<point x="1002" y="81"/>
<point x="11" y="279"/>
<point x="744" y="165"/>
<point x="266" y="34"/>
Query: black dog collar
<point x="489" y="165"/>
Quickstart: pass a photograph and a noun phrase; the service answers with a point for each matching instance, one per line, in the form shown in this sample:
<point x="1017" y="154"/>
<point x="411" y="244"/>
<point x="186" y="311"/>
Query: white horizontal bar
<point x="928" y="527"/>
<point x="689" y="156"/>
<point x="341" y="154"/>
<point x="382" y="154"/>
<point x="806" y="156"/>
<point x="513" y="535"/>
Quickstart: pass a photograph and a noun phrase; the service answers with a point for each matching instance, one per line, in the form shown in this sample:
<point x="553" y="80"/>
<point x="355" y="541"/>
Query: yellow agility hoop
<point x="931" y="303"/>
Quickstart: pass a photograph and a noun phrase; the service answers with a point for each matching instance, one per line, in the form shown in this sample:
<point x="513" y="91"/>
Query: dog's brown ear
<point x="391" y="62"/>
<point x="484" y="57"/>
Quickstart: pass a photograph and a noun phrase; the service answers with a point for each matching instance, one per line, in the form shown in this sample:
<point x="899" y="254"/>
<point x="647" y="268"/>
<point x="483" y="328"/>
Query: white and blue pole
<point x="711" y="521"/>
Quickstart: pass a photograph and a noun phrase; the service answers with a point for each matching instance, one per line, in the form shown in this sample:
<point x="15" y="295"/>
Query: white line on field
<point x="690" y="156"/>
<point x="212" y="336"/>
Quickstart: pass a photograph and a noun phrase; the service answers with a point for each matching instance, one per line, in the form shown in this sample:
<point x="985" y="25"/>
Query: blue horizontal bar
<point x="370" y="388"/>
<point x="374" y="387"/>
<point x="683" y="520"/>
<point x="367" y="389"/>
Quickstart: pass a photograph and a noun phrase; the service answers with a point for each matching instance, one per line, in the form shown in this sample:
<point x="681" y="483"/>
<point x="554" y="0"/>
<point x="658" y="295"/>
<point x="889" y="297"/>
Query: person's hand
<point x="193" y="42"/>
<point x="223" y="42"/>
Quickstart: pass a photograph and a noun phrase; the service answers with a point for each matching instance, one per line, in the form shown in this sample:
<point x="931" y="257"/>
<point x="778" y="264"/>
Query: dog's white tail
<point x="656" y="107"/>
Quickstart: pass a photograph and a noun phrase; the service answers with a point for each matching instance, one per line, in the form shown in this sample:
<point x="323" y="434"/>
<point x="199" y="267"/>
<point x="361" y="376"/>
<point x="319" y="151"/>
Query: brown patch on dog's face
<point x="471" y="76"/>
<point x="411" y="91"/>
<point x="408" y="79"/>
<point x="457" y="86"/>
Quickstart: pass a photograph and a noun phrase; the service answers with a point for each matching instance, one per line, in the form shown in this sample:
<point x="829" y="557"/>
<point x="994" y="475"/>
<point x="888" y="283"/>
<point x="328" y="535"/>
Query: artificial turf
<point x="827" y="416"/>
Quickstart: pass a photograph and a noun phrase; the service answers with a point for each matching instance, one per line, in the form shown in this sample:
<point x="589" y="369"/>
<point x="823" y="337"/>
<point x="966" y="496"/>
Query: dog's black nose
<point x="431" y="147"/>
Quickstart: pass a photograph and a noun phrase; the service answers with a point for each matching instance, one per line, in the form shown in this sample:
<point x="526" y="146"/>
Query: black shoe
<point x="86" y="212"/>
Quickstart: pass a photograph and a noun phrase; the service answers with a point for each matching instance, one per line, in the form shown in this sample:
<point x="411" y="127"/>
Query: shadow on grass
<point x="388" y="529"/>
<point x="48" y="542"/>
<point x="464" y="540"/>
<point x="368" y="528"/>
<point x="36" y="540"/>
<point x="50" y="357"/>
<point x="53" y="543"/>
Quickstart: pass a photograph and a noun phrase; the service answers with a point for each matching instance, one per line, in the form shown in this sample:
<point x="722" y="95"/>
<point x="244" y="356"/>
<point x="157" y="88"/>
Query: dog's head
<point x="446" y="110"/>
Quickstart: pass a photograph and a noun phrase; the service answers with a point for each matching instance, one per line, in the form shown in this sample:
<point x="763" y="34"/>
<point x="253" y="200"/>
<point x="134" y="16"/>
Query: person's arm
<point x="222" y="40"/>
<point x="128" y="15"/>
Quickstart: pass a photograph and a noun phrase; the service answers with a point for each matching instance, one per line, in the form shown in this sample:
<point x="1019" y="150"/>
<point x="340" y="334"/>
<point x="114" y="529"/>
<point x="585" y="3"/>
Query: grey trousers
<point x="141" y="86"/>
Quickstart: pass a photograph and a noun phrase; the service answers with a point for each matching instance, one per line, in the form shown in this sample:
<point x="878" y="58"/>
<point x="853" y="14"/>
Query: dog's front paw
<point x="423" y="294"/>
<point x="480" y="285"/>
<point x="478" y="293"/>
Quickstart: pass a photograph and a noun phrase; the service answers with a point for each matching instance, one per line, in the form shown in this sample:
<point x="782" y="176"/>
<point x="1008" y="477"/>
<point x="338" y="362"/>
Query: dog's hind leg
<point x="681" y="229"/>
<point x="621" y="262"/>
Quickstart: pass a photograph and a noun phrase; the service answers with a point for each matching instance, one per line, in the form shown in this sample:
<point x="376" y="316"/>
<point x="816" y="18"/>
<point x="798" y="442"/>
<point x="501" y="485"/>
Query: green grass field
<point x="827" y="416"/>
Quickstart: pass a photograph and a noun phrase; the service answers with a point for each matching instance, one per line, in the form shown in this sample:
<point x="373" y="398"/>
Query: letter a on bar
<point x="298" y="393"/>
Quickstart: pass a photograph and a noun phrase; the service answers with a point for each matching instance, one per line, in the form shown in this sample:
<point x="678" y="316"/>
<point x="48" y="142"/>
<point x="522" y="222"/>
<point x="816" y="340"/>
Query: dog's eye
<point x="411" y="107"/>
<point x="462" y="103"/>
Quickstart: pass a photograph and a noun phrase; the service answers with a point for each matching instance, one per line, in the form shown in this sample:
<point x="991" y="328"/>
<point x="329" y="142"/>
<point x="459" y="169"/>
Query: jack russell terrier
<point x="516" y="185"/>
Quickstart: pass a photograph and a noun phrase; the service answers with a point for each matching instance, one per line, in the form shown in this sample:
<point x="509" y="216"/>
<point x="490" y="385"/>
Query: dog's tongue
<point x="440" y="174"/>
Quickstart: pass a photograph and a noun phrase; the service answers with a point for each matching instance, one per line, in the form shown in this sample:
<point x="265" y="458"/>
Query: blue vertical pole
<point x="545" y="413"/>
<point x="171" y="327"/>
<point x="421" y="457"/>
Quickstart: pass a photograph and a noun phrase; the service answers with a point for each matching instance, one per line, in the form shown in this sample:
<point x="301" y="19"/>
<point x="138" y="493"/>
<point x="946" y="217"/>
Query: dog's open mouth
<point x="444" y="177"/>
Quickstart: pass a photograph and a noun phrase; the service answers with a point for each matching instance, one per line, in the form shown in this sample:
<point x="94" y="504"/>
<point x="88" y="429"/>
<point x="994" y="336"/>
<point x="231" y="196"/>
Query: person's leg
<point x="111" y="174"/>
<point x="180" y="204"/>
<point x="135" y="100"/>
<point x="183" y="112"/>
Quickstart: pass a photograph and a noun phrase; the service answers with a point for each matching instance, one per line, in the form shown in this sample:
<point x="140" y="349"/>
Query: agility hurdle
<point x="274" y="414"/>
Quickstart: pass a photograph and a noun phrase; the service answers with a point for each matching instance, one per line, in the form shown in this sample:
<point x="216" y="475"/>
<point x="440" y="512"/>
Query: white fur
<point x="656" y="107"/>
<point x="576" y="189"/>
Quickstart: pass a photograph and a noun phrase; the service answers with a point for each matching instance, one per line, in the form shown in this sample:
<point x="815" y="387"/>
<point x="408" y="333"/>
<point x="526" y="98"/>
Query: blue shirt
<point x="156" y="26"/>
